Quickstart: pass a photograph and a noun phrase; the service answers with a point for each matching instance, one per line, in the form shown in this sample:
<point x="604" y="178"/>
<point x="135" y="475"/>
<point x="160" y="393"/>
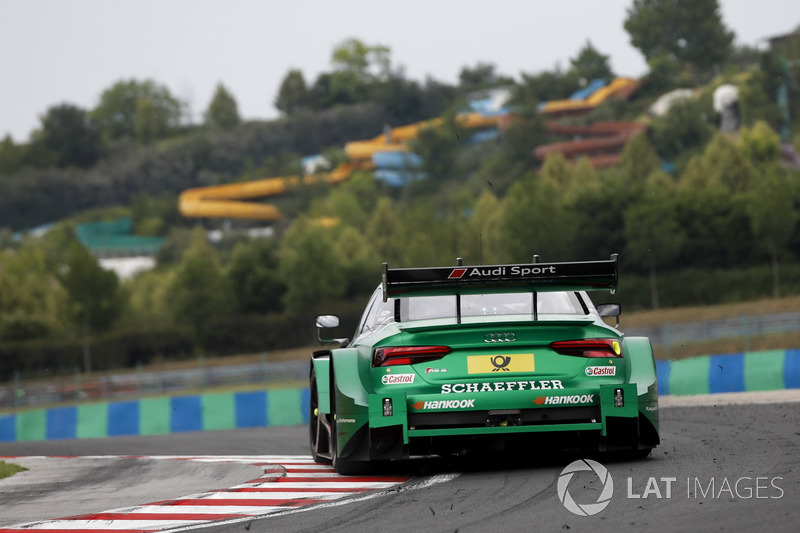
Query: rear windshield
<point x="427" y="307"/>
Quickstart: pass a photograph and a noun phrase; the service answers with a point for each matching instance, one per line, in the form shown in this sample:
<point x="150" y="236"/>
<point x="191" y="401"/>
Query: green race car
<point x="483" y="357"/>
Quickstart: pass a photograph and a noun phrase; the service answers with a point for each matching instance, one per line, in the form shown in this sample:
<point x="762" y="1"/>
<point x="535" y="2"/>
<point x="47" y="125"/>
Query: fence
<point x="740" y="327"/>
<point x="139" y="383"/>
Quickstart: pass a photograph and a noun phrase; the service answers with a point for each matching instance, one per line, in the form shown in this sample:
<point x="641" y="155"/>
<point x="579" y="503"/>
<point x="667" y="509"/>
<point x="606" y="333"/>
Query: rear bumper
<point x="397" y="424"/>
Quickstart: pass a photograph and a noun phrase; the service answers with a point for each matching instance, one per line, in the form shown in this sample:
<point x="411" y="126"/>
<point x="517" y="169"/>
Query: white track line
<point x="290" y="483"/>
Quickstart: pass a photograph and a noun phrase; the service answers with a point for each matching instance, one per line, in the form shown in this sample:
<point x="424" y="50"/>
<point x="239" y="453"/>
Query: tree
<point x="253" y="274"/>
<point x="293" y="94"/>
<point x="481" y="76"/>
<point x="366" y="63"/>
<point x="653" y="235"/>
<point x="773" y="218"/>
<point x="309" y="267"/>
<point x="356" y="67"/>
<point x="93" y="295"/>
<point x="532" y="223"/>
<point x="639" y="158"/>
<point x="223" y="111"/>
<point x="138" y="110"/>
<point x="590" y="64"/>
<point x="30" y="300"/>
<point x="760" y="144"/>
<point x="200" y="291"/>
<point x="359" y="261"/>
<point x="683" y="128"/>
<point x="70" y="135"/>
<point x="721" y="164"/>
<point x="690" y="30"/>
<point x="385" y="232"/>
<point x="437" y="146"/>
<point x="12" y="156"/>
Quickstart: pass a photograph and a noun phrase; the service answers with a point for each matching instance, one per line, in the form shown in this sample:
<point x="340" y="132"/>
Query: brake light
<point x="588" y="348"/>
<point x="407" y="355"/>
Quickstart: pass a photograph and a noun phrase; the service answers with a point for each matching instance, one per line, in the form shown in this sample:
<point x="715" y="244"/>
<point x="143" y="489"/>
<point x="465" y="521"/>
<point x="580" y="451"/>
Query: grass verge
<point x="9" y="469"/>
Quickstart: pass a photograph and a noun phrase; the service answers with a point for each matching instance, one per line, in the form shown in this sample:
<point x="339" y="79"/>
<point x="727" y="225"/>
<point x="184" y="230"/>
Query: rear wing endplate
<point x="483" y="279"/>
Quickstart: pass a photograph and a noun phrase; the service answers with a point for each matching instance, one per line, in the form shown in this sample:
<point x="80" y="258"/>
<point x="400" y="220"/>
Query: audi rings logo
<point x="585" y="509"/>
<point x="500" y="337"/>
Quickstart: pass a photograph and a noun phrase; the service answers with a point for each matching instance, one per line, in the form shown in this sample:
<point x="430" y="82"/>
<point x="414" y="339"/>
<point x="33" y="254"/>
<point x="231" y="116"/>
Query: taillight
<point x="588" y="348"/>
<point x="407" y="355"/>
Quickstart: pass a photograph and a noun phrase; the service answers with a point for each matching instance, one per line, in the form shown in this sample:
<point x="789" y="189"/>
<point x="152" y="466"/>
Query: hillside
<point x="689" y="174"/>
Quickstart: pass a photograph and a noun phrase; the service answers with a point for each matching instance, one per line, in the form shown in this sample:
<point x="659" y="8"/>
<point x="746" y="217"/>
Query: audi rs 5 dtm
<point x="454" y="358"/>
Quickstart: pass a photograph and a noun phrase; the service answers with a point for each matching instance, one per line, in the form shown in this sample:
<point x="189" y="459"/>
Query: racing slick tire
<point x="319" y="429"/>
<point x="345" y="467"/>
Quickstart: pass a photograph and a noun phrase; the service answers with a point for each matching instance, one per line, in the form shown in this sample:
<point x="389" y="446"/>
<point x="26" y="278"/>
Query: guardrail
<point x="744" y="327"/>
<point x="756" y="371"/>
<point x="138" y="384"/>
<point x="78" y="389"/>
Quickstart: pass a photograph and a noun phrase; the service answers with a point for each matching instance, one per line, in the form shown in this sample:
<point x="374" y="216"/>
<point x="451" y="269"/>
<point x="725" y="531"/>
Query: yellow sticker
<point x="487" y="364"/>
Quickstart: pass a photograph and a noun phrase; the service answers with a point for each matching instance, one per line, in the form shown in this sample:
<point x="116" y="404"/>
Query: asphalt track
<point x="720" y="467"/>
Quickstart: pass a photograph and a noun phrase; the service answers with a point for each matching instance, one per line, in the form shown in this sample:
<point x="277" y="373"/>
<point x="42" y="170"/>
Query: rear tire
<point x="344" y="467"/>
<point x="317" y="424"/>
<point x="640" y="453"/>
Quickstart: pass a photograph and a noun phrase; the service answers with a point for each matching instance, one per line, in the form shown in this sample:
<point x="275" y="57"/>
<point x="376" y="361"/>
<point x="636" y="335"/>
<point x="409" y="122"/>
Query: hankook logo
<point x="500" y="337"/>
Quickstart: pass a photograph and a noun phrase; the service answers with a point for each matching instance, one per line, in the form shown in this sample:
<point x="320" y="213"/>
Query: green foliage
<point x="548" y="85"/>
<point x="773" y="218"/>
<point x="689" y="30"/>
<point x="93" y="294"/>
<point x="665" y="73"/>
<point x="758" y="94"/>
<point x="68" y="137"/>
<point x="309" y="267"/>
<point x="9" y="469"/>
<point x="639" y="159"/>
<point x="590" y="64"/>
<point x="222" y="112"/>
<point x="437" y="146"/>
<point x="481" y="76"/>
<point x="760" y="144"/>
<point x="12" y="156"/>
<point x="155" y="215"/>
<point x="652" y="232"/>
<point x="728" y="204"/>
<point x="199" y="290"/>
<point x="143" y="110"/>
<point x="293" y="94"/>
<point x="253" y="274"/>
<point x="364" y="62"/>
<point x="533" y="223"/>
<point x="684" y="128"/>
<point x="31" y="303"/>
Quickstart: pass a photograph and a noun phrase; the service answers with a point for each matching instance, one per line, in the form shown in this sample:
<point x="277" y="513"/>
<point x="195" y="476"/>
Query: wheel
<point x="319" y="429"/>
<point x="640" y="453"/>
<point x="343" y="466"/>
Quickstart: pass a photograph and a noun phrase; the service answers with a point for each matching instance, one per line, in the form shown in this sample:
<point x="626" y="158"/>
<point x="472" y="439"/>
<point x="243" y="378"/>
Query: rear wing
<point x="436" y="281"/>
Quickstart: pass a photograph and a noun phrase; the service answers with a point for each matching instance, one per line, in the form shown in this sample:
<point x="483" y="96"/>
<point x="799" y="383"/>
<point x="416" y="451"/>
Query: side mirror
<point x="609" y="311"/>
<point x="329" y="321"/>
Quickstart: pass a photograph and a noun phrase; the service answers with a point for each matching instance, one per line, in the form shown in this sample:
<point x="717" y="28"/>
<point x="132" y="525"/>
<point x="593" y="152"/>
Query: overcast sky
<point x="56" y="51"/>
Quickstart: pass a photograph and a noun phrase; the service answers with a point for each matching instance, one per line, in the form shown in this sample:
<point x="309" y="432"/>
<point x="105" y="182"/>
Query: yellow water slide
<point x="620" y="86"/>
<point x="226" y="201"/>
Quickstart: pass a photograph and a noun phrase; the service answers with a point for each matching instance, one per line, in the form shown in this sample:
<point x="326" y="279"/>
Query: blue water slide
<point x="396" y="160"/>
<point x="397" y="178"/>
<point x="483" y="136"/>
<point x="589" y="90"/>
